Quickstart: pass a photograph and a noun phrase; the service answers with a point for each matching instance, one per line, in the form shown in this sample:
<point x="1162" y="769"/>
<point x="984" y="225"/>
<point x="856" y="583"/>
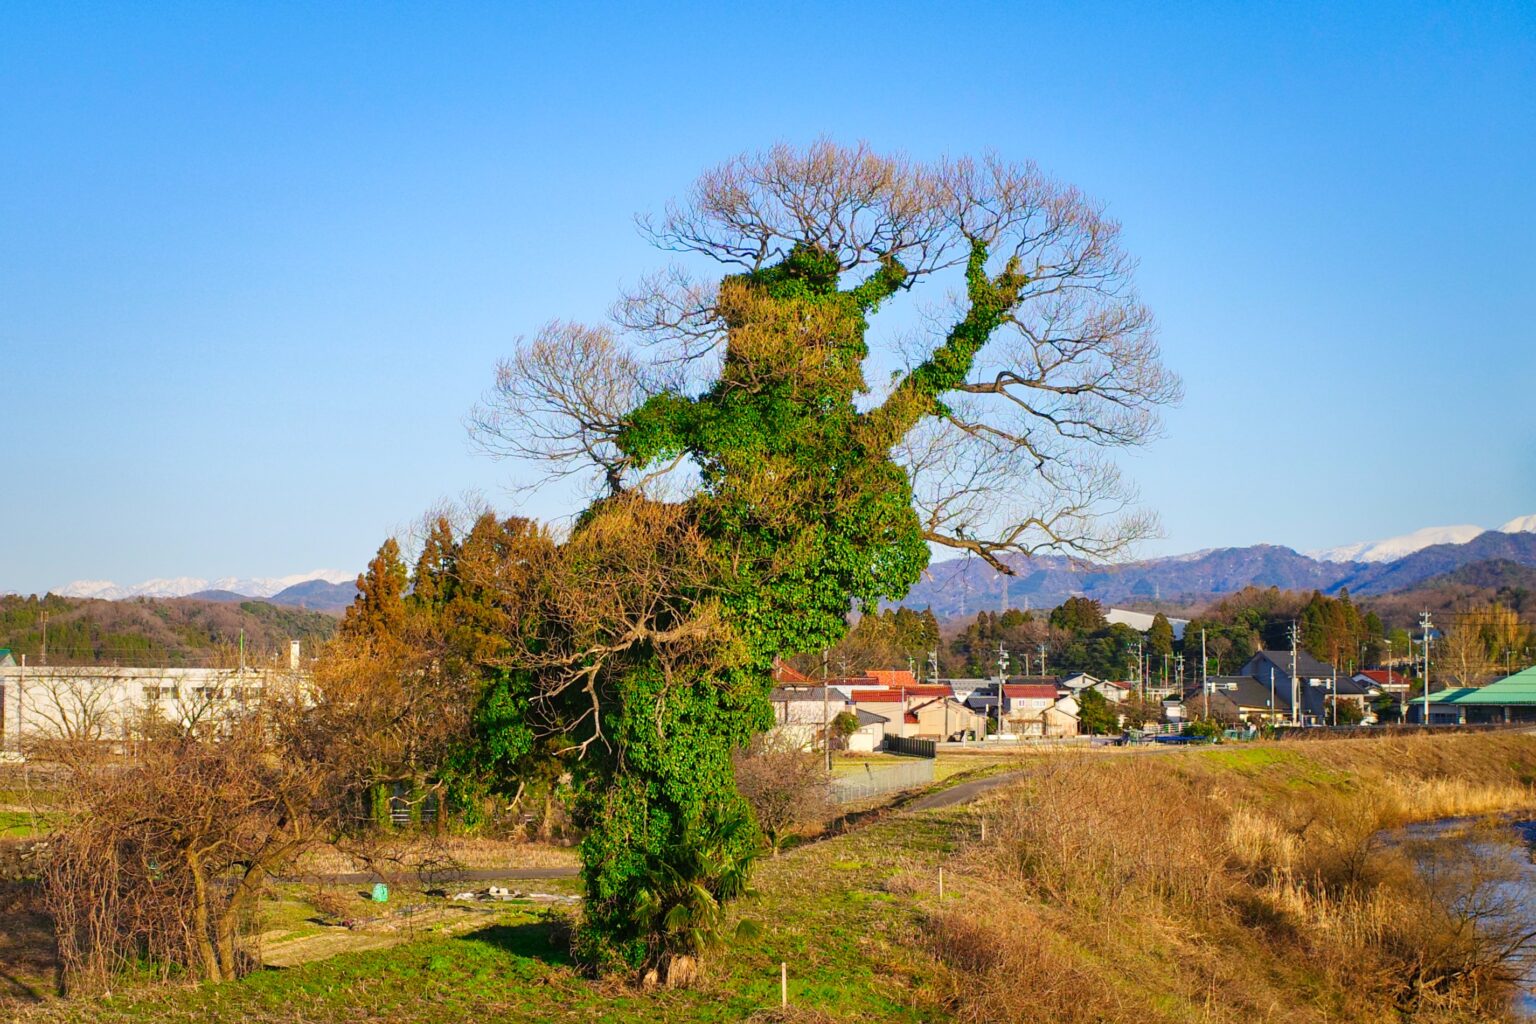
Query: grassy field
<point x="1171" y="888"/>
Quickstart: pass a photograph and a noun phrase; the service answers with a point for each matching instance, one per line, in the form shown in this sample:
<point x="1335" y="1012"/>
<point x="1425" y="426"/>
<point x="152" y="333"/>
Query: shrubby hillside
<point x="147" y="631"/>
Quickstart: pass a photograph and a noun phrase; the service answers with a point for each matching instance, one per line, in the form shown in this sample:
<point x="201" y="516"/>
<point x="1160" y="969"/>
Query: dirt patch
<point x="26" y="945"/>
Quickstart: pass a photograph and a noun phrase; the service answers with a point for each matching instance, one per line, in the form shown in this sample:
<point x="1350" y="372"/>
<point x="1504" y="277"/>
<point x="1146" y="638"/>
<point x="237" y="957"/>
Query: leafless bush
<point x="787" y="786"/>
<point x="167" y="851"/>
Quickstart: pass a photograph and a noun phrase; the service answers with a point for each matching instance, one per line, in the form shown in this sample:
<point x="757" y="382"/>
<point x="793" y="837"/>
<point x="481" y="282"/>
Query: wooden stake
<point x="783" y="984"/>
<point x="983" y="829"/>
<point x="941" y="882"/>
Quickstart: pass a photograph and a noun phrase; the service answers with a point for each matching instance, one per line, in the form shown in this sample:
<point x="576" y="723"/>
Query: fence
<point x="911" y="747"/>
<point x="874" y="781"/>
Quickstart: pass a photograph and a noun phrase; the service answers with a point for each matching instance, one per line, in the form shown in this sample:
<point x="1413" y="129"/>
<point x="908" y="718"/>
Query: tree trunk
<point x="200" y="922"/>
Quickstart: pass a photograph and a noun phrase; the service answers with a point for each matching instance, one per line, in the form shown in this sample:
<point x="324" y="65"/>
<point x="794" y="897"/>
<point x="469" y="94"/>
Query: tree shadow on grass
<point x="548" y="942"/>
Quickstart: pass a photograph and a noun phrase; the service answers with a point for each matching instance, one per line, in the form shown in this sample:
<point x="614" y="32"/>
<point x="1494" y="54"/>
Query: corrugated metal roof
<point x="1519" y="688"/>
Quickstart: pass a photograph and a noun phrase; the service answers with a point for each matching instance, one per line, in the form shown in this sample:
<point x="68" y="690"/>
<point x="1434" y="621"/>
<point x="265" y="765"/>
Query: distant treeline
<point x="154" y="631"/>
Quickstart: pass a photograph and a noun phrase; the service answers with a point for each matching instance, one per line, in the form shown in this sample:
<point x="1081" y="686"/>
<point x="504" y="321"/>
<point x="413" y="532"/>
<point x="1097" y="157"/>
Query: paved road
<point x="962" y="793"/>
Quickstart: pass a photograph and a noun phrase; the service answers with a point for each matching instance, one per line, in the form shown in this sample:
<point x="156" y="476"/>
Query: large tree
<point x="754" y="486"/>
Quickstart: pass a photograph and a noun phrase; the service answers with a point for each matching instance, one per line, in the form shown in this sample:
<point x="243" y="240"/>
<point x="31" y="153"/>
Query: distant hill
<point x="961" y="587"/>
<point x="317" y="594"/>
<point x="222" y="596"/>
<point x="1441" y="559"/>
<point x="156" y="631"/>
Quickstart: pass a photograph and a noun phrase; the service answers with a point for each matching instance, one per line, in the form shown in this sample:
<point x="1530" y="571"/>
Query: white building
<point x="111" y="703"/>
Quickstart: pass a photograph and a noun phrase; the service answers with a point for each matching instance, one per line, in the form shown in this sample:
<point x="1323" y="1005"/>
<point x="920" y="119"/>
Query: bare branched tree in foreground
<point x="754" y="486"/>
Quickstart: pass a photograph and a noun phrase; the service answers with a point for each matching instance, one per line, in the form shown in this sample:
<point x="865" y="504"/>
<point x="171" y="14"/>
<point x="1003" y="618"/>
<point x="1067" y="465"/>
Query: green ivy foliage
<point x="806" y="515"/>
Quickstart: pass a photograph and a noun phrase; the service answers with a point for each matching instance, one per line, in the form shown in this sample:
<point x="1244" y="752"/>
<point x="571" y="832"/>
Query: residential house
<point x="870" y="735"/>
<point x="1241" y="698"/>
<point x="945" y="719"/>
<point x="1060" y="720"/>
<point x="984" y="698"/>
<point x="1308" y="690"/>
<point x="803" y="713"/>
<point x="898" y="704"/>
<point x="1384" y="679"/>
<point x="1114" y="692"/>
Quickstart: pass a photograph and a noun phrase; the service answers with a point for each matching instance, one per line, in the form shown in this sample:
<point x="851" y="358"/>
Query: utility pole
<point x="1178" y="666"/>
<point x="1042" y="659"/>
<point x="826" y="726"/>
<point x="1204" y="679"/>
<point x="1295" y="693"/>
<point x="1425" y="624"/>
<point x="43" y="654"/>
<point x="1333" y="685"/>
<point x="1002" y="676"/>
<point x="1273" y="711"/>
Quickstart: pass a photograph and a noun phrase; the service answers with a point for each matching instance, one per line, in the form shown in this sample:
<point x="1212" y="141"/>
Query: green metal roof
<point x="1519" y="688"/>
<point x="1450" y="696"/>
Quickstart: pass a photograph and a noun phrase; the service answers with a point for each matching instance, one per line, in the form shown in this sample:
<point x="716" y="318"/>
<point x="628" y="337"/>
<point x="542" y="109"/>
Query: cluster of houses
<point x="1273" y="687"/>
<point x="896" y="704"/>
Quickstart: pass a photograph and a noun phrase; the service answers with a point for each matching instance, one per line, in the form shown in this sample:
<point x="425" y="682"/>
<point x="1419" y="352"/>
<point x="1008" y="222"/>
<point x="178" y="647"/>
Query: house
<point x="1308" y="691"/>
<point x="1511" y="699"/>
<point x="1024" y="707"/>
<point x="1383" y="679"/>
<point x="945" y="719"/>
<point x="963" y="689"/>
<point x="1352" y="690"/>
<point x="1239" y="698"/>
<point x="803" y="712"/>
<point x="1060" y="720"/>
<point x="984" y="698"/>
<point x="1076" y="683"/>
<point x="870" y="735"/>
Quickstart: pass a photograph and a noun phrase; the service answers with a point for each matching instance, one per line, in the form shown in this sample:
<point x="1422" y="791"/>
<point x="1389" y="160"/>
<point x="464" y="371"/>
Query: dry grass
<point x="1239" y="884"/>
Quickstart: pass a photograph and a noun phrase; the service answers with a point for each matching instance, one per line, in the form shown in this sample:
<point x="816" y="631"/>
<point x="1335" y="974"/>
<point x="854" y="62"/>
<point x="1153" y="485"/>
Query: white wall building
<point x="109" y="703"/>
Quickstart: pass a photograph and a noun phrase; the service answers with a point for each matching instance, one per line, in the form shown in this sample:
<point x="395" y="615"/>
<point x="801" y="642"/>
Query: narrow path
<point x="965" y="792"/>
<point x="437" y="877"/>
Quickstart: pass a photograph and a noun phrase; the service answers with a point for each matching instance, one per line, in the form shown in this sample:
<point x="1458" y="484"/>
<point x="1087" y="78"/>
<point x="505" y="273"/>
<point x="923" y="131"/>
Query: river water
<point x="1490" y="872"/>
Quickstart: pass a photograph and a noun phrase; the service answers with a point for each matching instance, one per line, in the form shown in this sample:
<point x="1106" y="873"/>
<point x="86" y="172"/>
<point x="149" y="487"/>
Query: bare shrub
<point x="787" y="786"/>
<point x="168" y="850"/>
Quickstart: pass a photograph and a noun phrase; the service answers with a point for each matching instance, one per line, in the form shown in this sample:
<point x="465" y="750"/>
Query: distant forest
<point x="173" y="632"/>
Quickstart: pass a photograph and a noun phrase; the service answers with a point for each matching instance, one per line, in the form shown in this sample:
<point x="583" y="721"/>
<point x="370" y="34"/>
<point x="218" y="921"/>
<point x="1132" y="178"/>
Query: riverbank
<point x="1221" y="884"/>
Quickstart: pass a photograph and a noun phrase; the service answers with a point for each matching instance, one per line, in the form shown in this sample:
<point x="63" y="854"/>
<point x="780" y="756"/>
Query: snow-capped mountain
<point x="1522" y="524"/>
<point x="1393" y="548"/>
<point x="181" y="586"/>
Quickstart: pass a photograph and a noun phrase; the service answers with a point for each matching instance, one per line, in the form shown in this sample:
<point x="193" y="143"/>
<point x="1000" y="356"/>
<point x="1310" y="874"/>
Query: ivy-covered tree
<point x="650" y="633"/>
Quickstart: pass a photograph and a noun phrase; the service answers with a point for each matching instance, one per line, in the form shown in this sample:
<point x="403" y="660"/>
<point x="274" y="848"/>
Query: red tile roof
<point x="1030" y="691"/>
<point x="877" y="696"/>
<point x="893" y="677"/>
<point x="782" y="673"/>
<point x="1384" y="677"/>
<point x="895" y="694"/>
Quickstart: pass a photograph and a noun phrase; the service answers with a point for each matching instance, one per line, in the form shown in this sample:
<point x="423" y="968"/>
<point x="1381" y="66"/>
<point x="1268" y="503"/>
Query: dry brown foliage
<point x="1109" y="892"/>
<point x="787" y="786"/>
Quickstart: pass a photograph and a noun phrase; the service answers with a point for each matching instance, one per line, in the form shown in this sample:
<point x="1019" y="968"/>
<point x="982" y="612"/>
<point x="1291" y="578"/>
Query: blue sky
<point x="257" y="261"/>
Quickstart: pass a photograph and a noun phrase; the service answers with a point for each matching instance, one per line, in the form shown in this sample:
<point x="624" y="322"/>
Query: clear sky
<point x="258" y="260"/>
